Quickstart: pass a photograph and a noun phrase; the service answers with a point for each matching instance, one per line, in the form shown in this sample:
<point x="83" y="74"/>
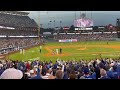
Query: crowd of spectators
<point x="18" y="33"/>
<point x="94" y="69"/>
<point x="21" y="42"/>
<point x="83" y="37"/>
<point x="16" y="21"/>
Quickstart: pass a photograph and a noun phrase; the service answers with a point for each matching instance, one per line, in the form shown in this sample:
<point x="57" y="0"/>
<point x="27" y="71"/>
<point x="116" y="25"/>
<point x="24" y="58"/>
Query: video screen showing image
<point x="83" y="22"/>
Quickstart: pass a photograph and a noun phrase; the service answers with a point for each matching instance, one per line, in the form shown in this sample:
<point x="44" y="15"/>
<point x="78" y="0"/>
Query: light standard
<point x="50" y="23"/>
<point x="60" y="23"/>
<point x="54" y="24"/>
<point x="75" y="15"/>
<point x="80" y="14"/>
<point x="41" y="25"/>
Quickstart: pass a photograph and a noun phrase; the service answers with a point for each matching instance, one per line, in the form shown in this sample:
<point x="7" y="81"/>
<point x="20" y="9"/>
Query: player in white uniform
<point x="57" y="51"/>
<point x="20" y="51"/>
<point x="23" y="51"/>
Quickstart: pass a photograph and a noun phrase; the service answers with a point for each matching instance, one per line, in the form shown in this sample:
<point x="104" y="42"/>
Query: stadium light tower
<point x="39" y="25"/>
<point x="75" y="15"/>
<point x="60" y="24"/>
<point x="91" y="15"/>
<point x="50" y="23"/>
<point x="85" y="14"/>
<point x="54" y="24"/>
<point x="80" y="14"/>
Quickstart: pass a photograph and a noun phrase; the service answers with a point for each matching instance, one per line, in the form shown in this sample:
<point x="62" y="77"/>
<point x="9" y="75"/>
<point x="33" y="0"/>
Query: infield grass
<point x="71" y="51"/>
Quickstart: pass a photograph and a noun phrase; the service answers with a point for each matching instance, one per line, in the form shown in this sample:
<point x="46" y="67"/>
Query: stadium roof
<point x="15" y="12"/>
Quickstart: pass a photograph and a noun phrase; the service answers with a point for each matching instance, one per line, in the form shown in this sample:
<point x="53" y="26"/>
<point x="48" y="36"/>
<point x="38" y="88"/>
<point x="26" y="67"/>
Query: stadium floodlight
<point x="39" y="25"/>
<point x="50" y="23"/>
<point x="60" y="23"/>
<point x="80" y="13"/>
<point x="54" y="24"/>
<point x="75" y="15"/>
<point x="83" y="15"/>
<point x="91" y="15"/>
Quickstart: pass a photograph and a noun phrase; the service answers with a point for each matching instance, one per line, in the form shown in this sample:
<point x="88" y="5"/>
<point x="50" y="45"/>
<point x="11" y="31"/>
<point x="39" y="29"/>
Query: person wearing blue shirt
<point x="1" y="71"/>
<point x="113" y="74"/>
<point x="38" y="76"/>
<point x="103" y="74"/>
<point x="86" y="74"/>
<point x="93" y="75"/>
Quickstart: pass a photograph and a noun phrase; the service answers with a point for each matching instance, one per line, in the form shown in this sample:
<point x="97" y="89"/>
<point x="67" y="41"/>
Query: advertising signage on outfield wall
<point x="68" y="40"/>
<point x="89" y="28"/>
<point x="66" y="28"/>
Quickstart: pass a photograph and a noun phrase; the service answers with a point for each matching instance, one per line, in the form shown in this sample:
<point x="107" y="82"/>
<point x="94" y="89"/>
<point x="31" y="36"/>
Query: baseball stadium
<point x="64" y="52"/>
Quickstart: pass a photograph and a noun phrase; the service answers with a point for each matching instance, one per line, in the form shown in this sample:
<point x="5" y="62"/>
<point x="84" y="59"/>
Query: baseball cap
<point x="86" y="71"/>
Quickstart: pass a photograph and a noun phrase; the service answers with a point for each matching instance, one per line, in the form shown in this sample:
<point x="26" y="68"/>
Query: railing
<point x="9" y="50"/>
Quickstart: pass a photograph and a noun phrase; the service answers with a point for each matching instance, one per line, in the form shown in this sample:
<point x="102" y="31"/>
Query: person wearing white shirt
<point x="23" y="51"/>
<point x="57" y="51"/>
<point x="46" y="74"/>
<point x="20" y="51"/>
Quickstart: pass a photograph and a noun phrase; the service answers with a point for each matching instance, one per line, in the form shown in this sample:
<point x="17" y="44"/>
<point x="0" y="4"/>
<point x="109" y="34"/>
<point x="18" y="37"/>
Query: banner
<point x="68" y="40"/>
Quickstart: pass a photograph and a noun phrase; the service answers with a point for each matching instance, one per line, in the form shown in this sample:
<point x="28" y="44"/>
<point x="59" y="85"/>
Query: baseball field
<point x="71" y="51"/>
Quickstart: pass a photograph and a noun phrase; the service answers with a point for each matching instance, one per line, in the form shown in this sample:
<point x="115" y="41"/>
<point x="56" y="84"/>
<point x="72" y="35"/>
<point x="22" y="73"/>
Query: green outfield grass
<point x="72" y="51"/>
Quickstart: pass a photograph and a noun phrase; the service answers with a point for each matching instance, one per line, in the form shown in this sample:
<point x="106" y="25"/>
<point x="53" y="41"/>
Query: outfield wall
<point x="68" y="40"/>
